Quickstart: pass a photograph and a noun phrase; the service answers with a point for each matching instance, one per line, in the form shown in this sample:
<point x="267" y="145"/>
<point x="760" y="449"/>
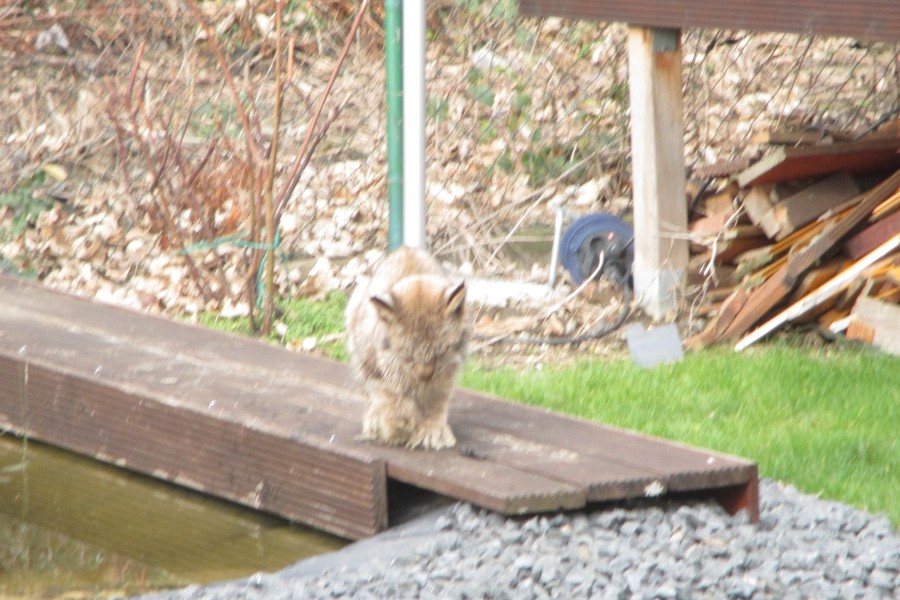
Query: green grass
<point x="301" y="317"/>
<point x="824" y="419"/>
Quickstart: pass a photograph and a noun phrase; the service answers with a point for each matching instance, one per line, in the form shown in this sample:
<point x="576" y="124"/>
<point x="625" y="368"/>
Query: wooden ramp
<point x="275" y="430"/>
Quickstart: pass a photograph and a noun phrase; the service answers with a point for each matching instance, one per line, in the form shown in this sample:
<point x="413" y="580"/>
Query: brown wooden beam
<point x="865" y="19"/>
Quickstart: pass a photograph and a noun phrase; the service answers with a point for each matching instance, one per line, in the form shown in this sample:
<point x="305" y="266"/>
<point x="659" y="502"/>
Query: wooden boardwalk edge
<point x="344" y="495"/>
<point x="277" y="431"/>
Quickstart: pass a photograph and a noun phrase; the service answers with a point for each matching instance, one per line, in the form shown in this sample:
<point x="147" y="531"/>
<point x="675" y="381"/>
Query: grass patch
<point x="824" y="420"/>
<point x="297" y="319"/>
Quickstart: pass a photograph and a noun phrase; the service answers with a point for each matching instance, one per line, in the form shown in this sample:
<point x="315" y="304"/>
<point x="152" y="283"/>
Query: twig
<point x="538" y="193"/>
<point x="302" y="159"/>
<point x="577" y="290"/>
<point x="270" y="180"/>
<point x="315" y="144"/>
<point x="253" y="154"/>
<point x="250" y="138"/>
<point x="515" y="227"/>
<point x="164" y="192"/>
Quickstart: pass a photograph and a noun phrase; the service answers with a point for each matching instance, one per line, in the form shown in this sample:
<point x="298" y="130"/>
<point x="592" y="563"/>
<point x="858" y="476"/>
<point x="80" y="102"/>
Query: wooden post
<point x="657" y="163"/>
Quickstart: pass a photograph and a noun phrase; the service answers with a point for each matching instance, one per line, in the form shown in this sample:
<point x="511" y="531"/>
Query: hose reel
<point x="591" y="235"/>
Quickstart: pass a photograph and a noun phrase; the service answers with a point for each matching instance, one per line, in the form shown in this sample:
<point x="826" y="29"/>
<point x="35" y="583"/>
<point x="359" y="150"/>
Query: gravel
<point x="802" y="547"/>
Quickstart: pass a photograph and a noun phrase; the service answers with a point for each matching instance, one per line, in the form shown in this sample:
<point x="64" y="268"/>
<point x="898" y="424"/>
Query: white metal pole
<point x="414" y="123"/>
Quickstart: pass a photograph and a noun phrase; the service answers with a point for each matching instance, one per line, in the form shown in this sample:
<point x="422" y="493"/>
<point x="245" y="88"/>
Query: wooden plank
<point x="860" y="332"/>
<point x="315" y="409"/>
<point x="722" y="168"/>
<point x="742" y="241"/>
<point x="873" y="236"/>
<point x="753" y="259"/>
<point x="278" y="430"/>
<point x="775" y="254"/>
<point x="722" y="201"/>
<point x="882" y="319"/>
<point x="892" y="277"/>
<point x="866" y="19"/>
<point x="711" y="225"/>
<point x="658" y="174"/>
<point x="790" y="137"/>
<point x="699" y="270"/>
<point x="889" y="206"/>
<point x="758" y="204"/>
<point x="812" y="202"/>
<point x="261" y="470"/>
<point x="891" y="129"/>
<point x="613" y="463"/>
<point x="781" y="163"/>
<point x="817" y="276"/>
<point x="717" y="326"/>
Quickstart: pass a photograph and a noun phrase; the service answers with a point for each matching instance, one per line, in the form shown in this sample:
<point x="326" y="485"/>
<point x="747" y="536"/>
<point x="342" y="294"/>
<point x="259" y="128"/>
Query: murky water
<point x="70" y="525"/>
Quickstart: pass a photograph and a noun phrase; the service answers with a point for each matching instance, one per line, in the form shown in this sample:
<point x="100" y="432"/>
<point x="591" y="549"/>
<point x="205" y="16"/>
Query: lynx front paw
<point x="387" y="423"/>
<point x="435" y="437"/>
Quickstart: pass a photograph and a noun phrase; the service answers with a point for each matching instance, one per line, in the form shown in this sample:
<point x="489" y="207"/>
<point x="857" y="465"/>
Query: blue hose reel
<point x="592" y="234"/>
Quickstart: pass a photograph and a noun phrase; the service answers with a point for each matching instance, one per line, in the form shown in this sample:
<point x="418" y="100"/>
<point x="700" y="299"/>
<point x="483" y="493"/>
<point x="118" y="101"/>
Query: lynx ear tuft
<point x="456" y="300"/>
<point x="384" y="306"/>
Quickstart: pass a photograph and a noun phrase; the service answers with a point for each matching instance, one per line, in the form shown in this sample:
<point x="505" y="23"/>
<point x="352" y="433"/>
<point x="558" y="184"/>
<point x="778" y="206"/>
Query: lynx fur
<point x="408" y="333"/>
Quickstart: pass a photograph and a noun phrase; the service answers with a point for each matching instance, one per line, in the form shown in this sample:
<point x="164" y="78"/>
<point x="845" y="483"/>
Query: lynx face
<point x="423" y="335"/>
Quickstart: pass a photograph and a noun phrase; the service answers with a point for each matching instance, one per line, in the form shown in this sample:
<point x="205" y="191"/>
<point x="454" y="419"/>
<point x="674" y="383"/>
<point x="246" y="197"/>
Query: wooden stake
<point x="657" y="150"/>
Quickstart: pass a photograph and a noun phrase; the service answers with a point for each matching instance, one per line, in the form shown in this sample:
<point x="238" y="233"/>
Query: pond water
<point x="73" y="526"/>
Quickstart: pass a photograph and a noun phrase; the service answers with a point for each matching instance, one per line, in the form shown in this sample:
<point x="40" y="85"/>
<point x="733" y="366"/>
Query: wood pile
<point x="808" y="232"/>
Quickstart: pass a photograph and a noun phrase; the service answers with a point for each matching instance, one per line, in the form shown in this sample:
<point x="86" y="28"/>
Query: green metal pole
<point x="393" y="58"/>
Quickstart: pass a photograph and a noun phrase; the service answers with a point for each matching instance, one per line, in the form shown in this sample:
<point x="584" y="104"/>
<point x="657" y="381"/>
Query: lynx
<point x="407" y="334"/>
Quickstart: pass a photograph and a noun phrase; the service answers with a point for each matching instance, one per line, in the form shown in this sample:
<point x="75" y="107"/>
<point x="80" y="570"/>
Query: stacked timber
<point x="809" y="231"/>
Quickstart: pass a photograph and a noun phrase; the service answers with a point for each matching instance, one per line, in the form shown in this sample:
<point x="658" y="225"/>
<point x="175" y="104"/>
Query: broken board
<point x="781" y="163"/>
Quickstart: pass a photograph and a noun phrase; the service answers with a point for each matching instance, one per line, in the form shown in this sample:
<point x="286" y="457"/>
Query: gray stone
<point x="741" y="588"/>
<point x="804" y="548"/>
<point x="885" y="580"/>
<point x="631" y="528"/>
<point x="546" y="569"/>
<point x="511" y="536"/>
<point x="855" y="523"/>
<point x="610" y="519"/>
<point x="614" y="592"/>
<point x="523" y="565"/>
